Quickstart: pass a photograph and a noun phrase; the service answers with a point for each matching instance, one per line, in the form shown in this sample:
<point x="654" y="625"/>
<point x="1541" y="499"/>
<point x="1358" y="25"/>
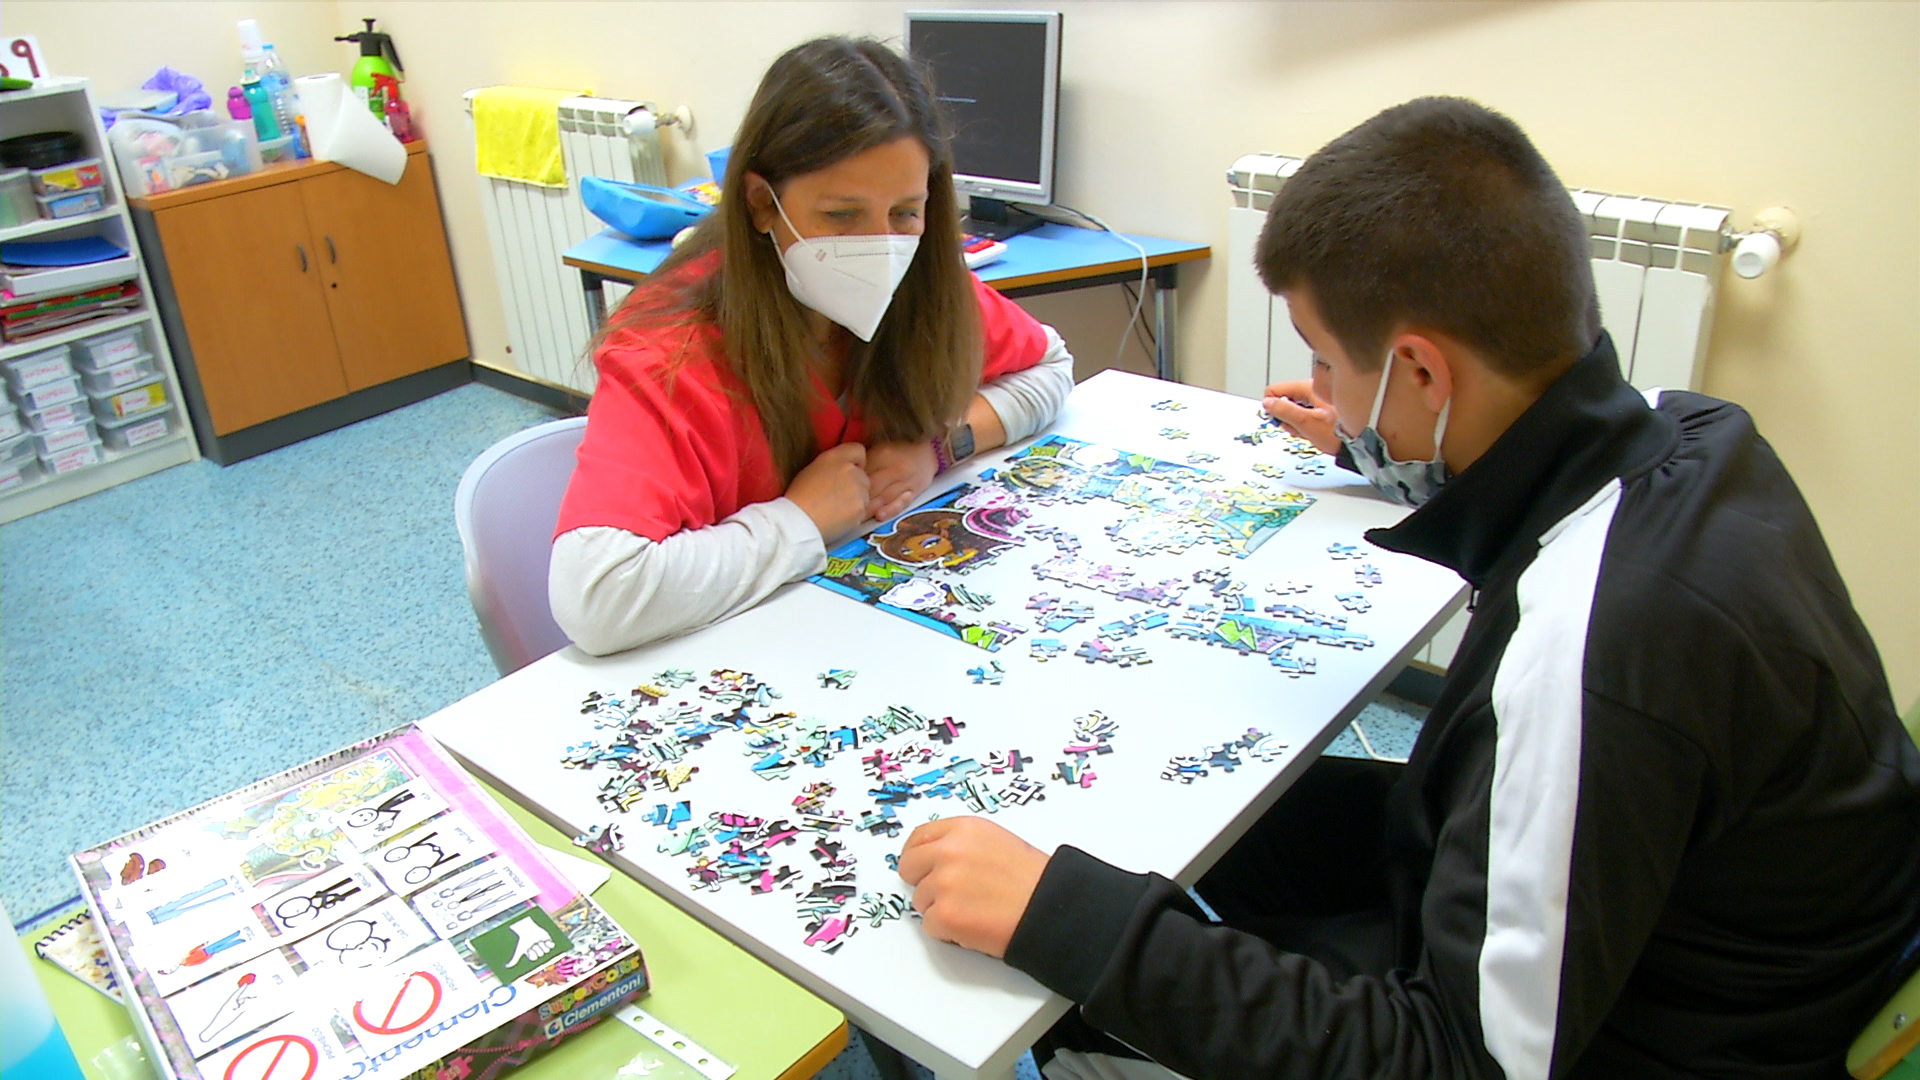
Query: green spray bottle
<point x="377" y="57"/>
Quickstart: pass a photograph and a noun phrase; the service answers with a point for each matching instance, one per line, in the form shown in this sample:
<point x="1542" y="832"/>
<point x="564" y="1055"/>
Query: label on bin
<point x="64" y="438"/>
<point x="9" y="423"/>
<point x="12" y="478"/>
<point x="126" y="374"/>
<point x="77" y="458"/>
<point x="62" y="415"/>
<point x="146" y="431"/>
<point x="57" y="394"/>
<point x="140" y="399"/>
<point x="114" y="350"/>
<point x="43" y="371"/>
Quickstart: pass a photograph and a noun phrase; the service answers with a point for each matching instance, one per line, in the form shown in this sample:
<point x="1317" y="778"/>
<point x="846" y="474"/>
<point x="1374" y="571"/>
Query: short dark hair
<point x="1438" y="212"/>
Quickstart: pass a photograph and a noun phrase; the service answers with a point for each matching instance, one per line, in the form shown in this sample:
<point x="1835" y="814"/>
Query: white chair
<point x="505" y="509"/>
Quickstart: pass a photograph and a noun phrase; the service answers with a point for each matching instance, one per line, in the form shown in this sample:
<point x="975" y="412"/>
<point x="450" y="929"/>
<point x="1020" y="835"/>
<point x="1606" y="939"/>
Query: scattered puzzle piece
<point x="1354" y="602"/>
<point x="991" y="674"/>
<point x="1174" y="433"/>
<point x="837" y="678"/>
<point x="1367" y="575"/>
<point x="602" y="839"/>
<point x="1168" y="405"/>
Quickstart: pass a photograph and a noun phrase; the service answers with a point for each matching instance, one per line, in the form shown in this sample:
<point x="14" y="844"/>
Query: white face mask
<point x="1409" y="483"/>
<point x="849" y="279"/>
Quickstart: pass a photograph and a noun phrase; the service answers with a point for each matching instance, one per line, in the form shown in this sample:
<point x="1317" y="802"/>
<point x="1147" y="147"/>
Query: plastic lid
<point x="250" y="43"/>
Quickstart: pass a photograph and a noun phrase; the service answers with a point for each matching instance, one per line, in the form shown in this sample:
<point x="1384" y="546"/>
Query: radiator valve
<point x="1775" y="232"/>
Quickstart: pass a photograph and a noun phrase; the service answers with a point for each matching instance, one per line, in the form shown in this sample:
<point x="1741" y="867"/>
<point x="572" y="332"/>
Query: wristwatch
<point x="957" y="446"/>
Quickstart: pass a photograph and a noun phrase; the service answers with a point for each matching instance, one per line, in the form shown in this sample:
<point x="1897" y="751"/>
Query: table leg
<point x="1166" y="280"/>
<point x="592" y="289"/>
<point x="891" y="1064"/>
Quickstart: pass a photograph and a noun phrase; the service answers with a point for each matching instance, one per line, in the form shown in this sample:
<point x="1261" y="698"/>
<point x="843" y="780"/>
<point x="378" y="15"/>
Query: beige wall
<point x="1811" y="105"/>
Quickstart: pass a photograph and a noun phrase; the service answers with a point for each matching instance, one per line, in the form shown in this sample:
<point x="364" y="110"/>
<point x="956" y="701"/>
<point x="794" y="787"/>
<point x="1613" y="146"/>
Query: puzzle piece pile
<point x="1224" y="757"/>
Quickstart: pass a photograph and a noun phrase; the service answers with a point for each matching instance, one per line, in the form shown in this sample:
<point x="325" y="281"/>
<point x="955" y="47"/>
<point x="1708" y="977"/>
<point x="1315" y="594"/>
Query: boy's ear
<point x="1432" y="366"/>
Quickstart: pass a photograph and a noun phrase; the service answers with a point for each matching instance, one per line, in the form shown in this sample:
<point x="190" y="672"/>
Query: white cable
<point x="1138" y="301"/>
<point x="1361" y="734"/>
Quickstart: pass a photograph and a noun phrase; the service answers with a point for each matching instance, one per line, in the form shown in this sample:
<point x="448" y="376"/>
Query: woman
<point x="811" y="358"/>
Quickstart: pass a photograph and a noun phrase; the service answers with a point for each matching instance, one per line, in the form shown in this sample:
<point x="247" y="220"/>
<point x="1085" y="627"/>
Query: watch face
<point x="962" y="442"/>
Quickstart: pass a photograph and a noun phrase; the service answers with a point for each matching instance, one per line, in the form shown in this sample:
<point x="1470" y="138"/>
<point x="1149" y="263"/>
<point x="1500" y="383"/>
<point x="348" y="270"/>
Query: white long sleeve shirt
<point x="611" y="589"/>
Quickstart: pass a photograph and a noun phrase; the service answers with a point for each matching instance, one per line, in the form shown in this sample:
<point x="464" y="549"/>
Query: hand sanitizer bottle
<point x="32" y="1046"/>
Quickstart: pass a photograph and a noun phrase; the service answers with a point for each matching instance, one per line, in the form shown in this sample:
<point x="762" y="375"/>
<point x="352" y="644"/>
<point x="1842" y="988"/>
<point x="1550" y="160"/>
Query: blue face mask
<point x="1409" y="483"/>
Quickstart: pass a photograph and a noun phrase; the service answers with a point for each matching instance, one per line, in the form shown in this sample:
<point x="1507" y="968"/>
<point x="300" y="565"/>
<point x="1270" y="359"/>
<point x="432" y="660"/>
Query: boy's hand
<point x="897" y="474"/>
<point x="971" y="881"/>
<point x="1312" y="421"/>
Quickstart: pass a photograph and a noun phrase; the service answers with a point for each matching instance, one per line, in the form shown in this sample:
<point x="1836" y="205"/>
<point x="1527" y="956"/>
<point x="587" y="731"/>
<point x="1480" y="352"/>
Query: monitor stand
<point x="997" y="219"/>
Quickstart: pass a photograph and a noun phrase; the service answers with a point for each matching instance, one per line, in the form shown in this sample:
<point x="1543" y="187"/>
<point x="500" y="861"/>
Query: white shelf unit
<point x="63" y="104"/>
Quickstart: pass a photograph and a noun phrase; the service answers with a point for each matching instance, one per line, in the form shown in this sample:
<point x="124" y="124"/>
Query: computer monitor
<point x="997" y="75"/>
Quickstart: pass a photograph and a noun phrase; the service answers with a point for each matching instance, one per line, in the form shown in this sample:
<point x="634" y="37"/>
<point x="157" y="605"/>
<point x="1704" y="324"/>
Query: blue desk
<point x="1052" y="258"/>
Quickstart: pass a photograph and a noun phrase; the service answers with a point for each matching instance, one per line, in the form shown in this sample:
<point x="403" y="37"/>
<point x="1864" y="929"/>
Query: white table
<point x="959" y="1013"/>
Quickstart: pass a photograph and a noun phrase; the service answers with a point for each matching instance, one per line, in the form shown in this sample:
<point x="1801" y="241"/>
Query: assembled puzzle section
<point x="373" y="910"/>
<point x="1079" y="516"/>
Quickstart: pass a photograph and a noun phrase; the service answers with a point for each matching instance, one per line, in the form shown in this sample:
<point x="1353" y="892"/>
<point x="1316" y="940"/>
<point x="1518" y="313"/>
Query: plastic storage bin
<point x="132" y="431"/>
<point x="10" y="422"/>
<point x="39" y="369"/>
<point x="156" y="155"/>
<point x="99" y="353"/>
<point x="132" y="401"/>
<point x="16" y="198"/>
<point x="19" y="476"/>
<point x="66" y="461"/>
<point x="118" y="376"/>
<point x="53" y="393"/>
<point x="65" y="414"/>
<point x="54" y="440"/>
<point x="18" y="449"/>
<point x="67" y="177"/>
<point x="71" y="204"/>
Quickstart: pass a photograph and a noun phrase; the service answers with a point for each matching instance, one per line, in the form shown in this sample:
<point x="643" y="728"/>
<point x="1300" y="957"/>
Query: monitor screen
<point x="997" y="75"/>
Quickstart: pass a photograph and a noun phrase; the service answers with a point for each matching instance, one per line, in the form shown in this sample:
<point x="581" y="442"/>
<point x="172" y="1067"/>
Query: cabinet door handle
<point x="301" y="248"/>
<point x="331" y="257"/>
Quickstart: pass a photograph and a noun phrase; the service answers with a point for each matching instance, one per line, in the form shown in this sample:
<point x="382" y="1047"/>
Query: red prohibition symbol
<point x="387" y="1025"/>
<point x="280" y="1046"/>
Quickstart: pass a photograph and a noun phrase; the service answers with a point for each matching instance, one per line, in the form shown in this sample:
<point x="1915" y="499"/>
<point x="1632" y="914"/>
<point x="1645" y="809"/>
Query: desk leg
<point x="592" y="289"/>
<point x="1166" y="280"/>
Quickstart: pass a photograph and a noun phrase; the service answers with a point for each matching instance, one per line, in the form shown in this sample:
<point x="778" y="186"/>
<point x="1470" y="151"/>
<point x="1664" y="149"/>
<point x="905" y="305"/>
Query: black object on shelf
<point x="41" y="150"/>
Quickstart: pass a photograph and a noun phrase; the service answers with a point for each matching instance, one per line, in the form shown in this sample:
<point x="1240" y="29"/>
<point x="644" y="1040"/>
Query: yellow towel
<point x="516" y="134"/>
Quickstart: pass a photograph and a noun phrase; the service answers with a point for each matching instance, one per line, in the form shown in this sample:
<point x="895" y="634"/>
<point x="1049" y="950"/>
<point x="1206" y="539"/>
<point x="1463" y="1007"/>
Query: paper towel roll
<point x="341" y="129"/>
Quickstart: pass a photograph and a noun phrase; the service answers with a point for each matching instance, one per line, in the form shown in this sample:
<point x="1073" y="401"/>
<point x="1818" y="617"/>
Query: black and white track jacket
<point x="1662" y="821"/>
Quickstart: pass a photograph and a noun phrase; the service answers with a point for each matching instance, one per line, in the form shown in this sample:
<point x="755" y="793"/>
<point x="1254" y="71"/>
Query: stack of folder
<point x="49" y="285"/>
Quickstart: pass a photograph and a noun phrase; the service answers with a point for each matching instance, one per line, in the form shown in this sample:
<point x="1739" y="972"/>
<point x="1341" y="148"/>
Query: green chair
<point x="1885" y="1048"/>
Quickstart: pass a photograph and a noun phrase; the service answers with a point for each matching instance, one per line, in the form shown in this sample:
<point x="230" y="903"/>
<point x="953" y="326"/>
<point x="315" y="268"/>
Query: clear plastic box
<point x="132" y="431"/>
<point x="39" y="369"/>
<point x="71" y="204"/>
<point x="53" y="393"/>
<point x="97" y="353"/>
<point x="117" y="376"/>
<point x="54" y="440"/>
<point x="67" y="177"/>
<point x="78" y="457"/>
<point x="150" y="151"/>
<point x="64" y="414"/>
<point x="132" y="401"/>
<point x="16" y="198"/>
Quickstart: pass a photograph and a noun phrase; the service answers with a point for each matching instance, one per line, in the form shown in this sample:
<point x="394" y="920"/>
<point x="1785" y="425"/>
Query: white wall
<point x="1746" y="104"/>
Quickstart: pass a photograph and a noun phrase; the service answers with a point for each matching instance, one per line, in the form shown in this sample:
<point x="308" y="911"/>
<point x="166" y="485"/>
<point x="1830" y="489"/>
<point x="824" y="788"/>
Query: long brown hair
<point x="819" y="103"/>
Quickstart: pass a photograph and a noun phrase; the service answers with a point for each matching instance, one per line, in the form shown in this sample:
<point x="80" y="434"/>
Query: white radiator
<point x="1655" y="265"/>
<point x="530" y="226"/>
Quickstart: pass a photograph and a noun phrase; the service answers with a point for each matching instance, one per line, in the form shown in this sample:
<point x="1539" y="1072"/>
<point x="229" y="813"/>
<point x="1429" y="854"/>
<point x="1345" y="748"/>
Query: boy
<point x="1661" y="821"/>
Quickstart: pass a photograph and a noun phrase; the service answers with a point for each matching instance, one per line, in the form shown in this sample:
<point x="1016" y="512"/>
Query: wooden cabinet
<point x="305" y="298"/>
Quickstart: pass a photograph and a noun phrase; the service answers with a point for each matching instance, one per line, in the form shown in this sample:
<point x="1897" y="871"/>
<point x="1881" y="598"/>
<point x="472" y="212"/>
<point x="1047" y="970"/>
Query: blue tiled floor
<point x="176" y="637"/>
